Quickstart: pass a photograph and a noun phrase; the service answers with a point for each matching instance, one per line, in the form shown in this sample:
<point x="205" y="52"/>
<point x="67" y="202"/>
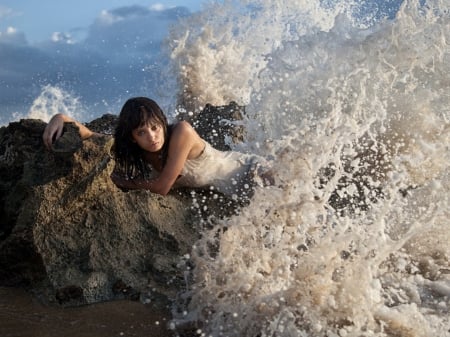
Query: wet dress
<point x="229" y="172"/>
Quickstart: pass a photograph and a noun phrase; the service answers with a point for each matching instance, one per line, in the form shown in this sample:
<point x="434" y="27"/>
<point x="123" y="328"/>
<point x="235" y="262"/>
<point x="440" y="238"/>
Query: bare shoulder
<point x="184" y="135"/>
<point x="184" y="129"/>
<point x="183" y="126"/>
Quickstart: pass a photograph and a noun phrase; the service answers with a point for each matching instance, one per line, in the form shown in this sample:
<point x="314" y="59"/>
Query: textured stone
<point x="69" y="234"/>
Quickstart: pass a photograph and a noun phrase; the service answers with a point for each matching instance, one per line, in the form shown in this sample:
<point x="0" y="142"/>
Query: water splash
<point x="353" y="238"/>
<point x="53" y="100"/>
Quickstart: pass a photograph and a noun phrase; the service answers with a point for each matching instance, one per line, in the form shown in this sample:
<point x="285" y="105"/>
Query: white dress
<point x="229" y="172"/>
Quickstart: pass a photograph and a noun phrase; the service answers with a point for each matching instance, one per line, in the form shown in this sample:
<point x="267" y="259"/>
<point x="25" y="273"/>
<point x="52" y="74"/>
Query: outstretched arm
<point x="55" y="127"/>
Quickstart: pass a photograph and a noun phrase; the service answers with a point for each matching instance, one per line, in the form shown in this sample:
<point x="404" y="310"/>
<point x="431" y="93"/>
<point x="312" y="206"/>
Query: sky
<point x="89" y="56"/>
<point x="98" y="51"/>
<point x="40" y="19"/>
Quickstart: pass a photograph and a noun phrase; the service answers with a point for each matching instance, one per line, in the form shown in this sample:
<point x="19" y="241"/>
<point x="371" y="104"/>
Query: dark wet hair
<point x="137" y="112"/>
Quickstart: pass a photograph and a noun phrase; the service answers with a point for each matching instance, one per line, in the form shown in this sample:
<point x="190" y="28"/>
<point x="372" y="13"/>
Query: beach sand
<point x="21" y="315"/>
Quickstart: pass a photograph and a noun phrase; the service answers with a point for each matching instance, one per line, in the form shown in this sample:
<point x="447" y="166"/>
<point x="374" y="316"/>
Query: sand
<point x="21" y="315"/>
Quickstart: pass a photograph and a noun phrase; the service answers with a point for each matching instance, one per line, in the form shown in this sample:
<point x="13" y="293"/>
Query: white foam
<point x="53" y="100"/>
<point x="353" y="239"/>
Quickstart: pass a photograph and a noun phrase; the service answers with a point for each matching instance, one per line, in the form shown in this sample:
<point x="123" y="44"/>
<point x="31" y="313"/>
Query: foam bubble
<point x="353" y="237"/>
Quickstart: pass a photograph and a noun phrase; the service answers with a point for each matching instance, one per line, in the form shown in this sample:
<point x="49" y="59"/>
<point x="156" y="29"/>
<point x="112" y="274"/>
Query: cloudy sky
<point x="100" y="51"/>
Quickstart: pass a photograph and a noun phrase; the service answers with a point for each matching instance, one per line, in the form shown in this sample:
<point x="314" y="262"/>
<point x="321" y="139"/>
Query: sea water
<point x="352" y="105"/>
<point x="350" y="102"/>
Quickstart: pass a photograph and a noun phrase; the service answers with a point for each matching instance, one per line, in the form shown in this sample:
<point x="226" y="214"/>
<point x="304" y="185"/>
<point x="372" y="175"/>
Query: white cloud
<point x="12" y="35"/>
<point x="6" y="12"/>
<point x="107" y="18"/>
<point x="62" y="38"/>
<point x="157" y="7"/>
<point x="133" y="32"/>
<point x="110" y="17"/>
<point x="11" y="30"/>
<point x="119" y="57"/>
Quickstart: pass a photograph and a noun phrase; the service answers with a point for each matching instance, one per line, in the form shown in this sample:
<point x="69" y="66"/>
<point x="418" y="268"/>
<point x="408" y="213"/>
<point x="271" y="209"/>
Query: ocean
<point x="350" y="102"/>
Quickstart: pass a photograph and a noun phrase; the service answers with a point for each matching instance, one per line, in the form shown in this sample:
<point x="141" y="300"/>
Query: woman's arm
<point x="55" y="127"/>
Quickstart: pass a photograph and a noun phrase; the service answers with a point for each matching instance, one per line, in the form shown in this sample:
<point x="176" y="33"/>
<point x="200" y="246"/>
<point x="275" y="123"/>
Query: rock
<point x="70" y="235"/>
<point x="216" y="123"/>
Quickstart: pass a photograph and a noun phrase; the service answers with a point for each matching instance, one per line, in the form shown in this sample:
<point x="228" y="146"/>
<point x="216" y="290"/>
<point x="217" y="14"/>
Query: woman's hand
<point x="53" y="130"/>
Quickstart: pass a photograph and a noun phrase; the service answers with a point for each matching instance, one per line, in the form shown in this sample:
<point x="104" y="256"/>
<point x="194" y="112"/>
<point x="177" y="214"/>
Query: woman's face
<point x="149" y="137"/>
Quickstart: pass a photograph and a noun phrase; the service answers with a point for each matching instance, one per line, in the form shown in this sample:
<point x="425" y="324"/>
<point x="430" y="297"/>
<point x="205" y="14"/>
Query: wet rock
<point x="68" y="233"/>
<point x="217" y="123"/>
<point x="68" y="294"/>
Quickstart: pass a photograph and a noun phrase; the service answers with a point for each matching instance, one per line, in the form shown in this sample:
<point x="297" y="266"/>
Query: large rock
<point x="69" y="234"/>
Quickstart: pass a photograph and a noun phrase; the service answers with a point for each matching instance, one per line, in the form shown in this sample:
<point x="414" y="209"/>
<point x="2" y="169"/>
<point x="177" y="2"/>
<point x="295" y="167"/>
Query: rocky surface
<point x="72" y="237"/>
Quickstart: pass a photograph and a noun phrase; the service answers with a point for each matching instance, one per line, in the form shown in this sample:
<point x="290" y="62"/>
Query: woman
<point x="144" y="142"/>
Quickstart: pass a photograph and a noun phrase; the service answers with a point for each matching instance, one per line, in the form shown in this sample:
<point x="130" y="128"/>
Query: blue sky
<point x="40" y="19"/>
<point x="99" y="51"/>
